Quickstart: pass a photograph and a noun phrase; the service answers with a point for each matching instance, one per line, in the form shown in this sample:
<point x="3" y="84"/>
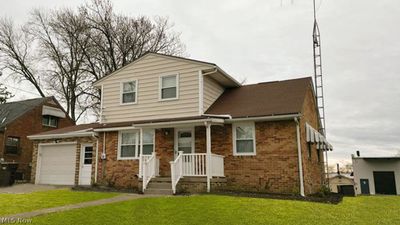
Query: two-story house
<point x="171" y="124"/>
<point x="23" y="118"/>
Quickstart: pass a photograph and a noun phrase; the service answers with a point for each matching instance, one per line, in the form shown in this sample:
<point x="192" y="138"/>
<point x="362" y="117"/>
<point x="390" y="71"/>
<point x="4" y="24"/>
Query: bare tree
<point x="16" y="54"/>
<point x="78" y="47"/>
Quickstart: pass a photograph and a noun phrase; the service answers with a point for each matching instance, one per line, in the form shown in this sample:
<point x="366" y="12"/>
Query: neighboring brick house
<point x="186" y="125"/>
<point x="23" y="118"/>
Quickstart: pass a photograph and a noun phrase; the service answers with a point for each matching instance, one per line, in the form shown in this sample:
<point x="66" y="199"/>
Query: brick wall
<point x="28" y="124"/>
<point x="312" y="169"/>
<point x="78" y="140"/>
<point x="113" y="172"/>
<point x="274" y="168"/>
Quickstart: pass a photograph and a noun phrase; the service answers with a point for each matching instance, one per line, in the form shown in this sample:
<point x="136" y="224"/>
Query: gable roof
<point x="11" y="111"/>
<point x="263" y="99"/>
<point x="213" y="65"/>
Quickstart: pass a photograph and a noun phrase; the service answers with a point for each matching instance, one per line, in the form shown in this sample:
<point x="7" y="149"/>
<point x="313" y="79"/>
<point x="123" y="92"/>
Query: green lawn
<point x="17" y="203"/>
<point x="211" y="209"/>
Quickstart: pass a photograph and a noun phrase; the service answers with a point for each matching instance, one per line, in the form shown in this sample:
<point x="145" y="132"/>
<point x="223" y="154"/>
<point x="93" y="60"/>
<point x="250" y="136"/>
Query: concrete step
<point x="161" y="179"/>
<point x="159" y="185"/>
<point x="158" y="191"/>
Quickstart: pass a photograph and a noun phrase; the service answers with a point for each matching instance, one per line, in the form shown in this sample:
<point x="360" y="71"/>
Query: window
<point x="244" y="139"/>
<point x="12" y="145"/>
<point x="309" y="147"/>
<point x="148" y="142"/>
<point x="318" y="155"/>
<point x="169" y="87"/>
<point x="128" y="145"/>
<point x="49" y="121"/>
<point x="128" y="93"/>
<point x="88" y="154"/>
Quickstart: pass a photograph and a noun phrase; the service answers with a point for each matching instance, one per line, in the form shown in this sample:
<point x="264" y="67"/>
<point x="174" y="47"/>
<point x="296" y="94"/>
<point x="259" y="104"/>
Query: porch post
<point x="140" y="153"/>
<point x="208" y="161"/>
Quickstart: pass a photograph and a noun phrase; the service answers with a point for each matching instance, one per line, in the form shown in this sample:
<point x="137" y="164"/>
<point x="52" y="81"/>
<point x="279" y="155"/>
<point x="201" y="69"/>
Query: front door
<point x="86" y="165"/>
<point x="184" y="140"/>
<point x="364" y="183"/>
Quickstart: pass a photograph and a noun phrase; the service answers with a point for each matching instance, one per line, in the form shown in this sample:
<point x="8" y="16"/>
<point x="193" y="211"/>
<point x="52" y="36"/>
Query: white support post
<point x="208" y="161"/>
<point x="140" y="153"/>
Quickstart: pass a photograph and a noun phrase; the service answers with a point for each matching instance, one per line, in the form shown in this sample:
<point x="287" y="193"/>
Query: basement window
<point x="12" y="145"/>
<point x="49" y="121"/>
<point x="244" y="139"/>
<point x="129" y="92"/>
<point x="169" y="87"/>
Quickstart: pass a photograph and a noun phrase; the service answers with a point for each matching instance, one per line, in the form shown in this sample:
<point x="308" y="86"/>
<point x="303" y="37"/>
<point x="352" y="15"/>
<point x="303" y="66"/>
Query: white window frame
<point x="120" y="144"/>
<point x="234" y="126"/>
<point x="122" y="92"/>
<point x="154" y="140"/>
<point x="160" y="87"/>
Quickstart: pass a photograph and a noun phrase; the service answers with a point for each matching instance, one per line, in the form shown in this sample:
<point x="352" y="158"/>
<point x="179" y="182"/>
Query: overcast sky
<point x="271" y="40"/>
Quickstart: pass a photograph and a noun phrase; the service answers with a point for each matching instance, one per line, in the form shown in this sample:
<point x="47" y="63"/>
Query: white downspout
<point x="97" y="157"/>
<point x="208" y="160"/>
<point x="201" y="93"/>
<point x="299" y="157"/>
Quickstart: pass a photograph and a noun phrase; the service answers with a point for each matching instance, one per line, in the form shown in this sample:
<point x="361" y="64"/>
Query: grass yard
<point x="212" y="209"/>
<point x="17" y="203"/>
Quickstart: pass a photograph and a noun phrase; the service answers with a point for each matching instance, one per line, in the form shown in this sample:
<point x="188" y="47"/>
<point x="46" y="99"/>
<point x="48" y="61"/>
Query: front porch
<point x="182" y="158"/>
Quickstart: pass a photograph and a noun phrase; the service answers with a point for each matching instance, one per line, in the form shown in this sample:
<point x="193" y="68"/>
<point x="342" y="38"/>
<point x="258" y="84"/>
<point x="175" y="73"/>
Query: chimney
<point x="338" y="170"/>
<point x="358" y="153"/>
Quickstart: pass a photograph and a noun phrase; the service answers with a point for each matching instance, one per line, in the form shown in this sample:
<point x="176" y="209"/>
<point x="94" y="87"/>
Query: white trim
<point x="82" y="159"/>
<point x="96" y="158"/>
<point x="160" y="87"/>
<point x="121" y="92"/>
<point x="201" y="93"/>
<point x="192" y="130"/>
<point x="179" y="123"/>
<point x="252" y="125"/>
<point x="114" y="129"/>
<point x="264" y="118"/>
<point x="39" y="160"/>
<point x="65" y="135"/>
<point x="136" y="144"/>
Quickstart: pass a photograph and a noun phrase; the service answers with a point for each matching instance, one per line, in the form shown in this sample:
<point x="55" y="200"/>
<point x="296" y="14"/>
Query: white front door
<point x="86" y="165"/>
<point x="184" y="140"/>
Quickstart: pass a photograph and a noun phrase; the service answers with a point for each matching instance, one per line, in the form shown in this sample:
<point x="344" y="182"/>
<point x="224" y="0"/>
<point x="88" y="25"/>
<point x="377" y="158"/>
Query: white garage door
<point x="57" y="164"/>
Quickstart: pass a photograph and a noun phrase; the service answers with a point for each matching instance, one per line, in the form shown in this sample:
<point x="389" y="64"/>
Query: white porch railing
<point x="149" y="169"/>
<point x="176" y="171"/>
<point x="217" y="165"/>
<point x="195" y="165"/>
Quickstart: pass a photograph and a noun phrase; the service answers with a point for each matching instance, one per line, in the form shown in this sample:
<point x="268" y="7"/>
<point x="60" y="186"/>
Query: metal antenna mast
<point x="319" y="89"/>
<point x="318" y="82"/>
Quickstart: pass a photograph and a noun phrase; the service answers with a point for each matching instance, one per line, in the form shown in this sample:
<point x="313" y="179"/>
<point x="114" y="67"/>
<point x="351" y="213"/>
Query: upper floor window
<point x="12" y="145"/>
<point x="49" y="121"/>
<point x="244" y="141"/>
<point x="128" y="93"/>
<point x="169" y="87"/>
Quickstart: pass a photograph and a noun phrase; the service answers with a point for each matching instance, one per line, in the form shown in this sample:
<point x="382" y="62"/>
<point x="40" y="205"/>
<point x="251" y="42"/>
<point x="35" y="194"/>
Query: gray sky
<point x="271" y="40"/>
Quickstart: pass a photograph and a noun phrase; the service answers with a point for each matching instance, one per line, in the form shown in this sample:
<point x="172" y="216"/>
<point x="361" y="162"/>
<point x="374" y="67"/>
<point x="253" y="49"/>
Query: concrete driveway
<point x="27" y="188"/>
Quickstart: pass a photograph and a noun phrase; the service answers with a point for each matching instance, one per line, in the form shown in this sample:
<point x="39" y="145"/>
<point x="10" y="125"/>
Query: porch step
<point x="159" y="186"/>
<point x="153" y="191"/>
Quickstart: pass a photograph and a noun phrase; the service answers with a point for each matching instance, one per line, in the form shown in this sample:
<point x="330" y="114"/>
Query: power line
<point x="19" y="89"/>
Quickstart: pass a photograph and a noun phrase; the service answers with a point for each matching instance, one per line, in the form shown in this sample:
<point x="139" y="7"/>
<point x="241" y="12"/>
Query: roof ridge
<point x="278" y="81"/>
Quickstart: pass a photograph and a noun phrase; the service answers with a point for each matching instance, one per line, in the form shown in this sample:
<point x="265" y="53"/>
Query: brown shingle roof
<point x="263" y="99"/>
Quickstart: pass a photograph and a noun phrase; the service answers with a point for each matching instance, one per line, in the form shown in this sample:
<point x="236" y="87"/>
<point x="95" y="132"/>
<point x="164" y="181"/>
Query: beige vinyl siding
<point x="147" y="72"/>
<point x="212" y="90"/>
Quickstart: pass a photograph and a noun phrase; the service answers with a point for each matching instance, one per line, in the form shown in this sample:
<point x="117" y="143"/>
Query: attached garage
<point x="56" y="164"/>
<point x="385" y="182"/>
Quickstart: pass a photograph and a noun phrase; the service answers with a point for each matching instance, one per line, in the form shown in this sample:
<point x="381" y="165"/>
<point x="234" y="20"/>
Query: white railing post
<point x="143" y="173"/>
<point x="149" y="169"/>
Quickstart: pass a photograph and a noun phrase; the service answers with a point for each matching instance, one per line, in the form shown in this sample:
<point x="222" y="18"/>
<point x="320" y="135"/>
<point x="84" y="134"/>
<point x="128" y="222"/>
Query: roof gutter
<point x="265" y="118"/>
<point x="66" y="135"/>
